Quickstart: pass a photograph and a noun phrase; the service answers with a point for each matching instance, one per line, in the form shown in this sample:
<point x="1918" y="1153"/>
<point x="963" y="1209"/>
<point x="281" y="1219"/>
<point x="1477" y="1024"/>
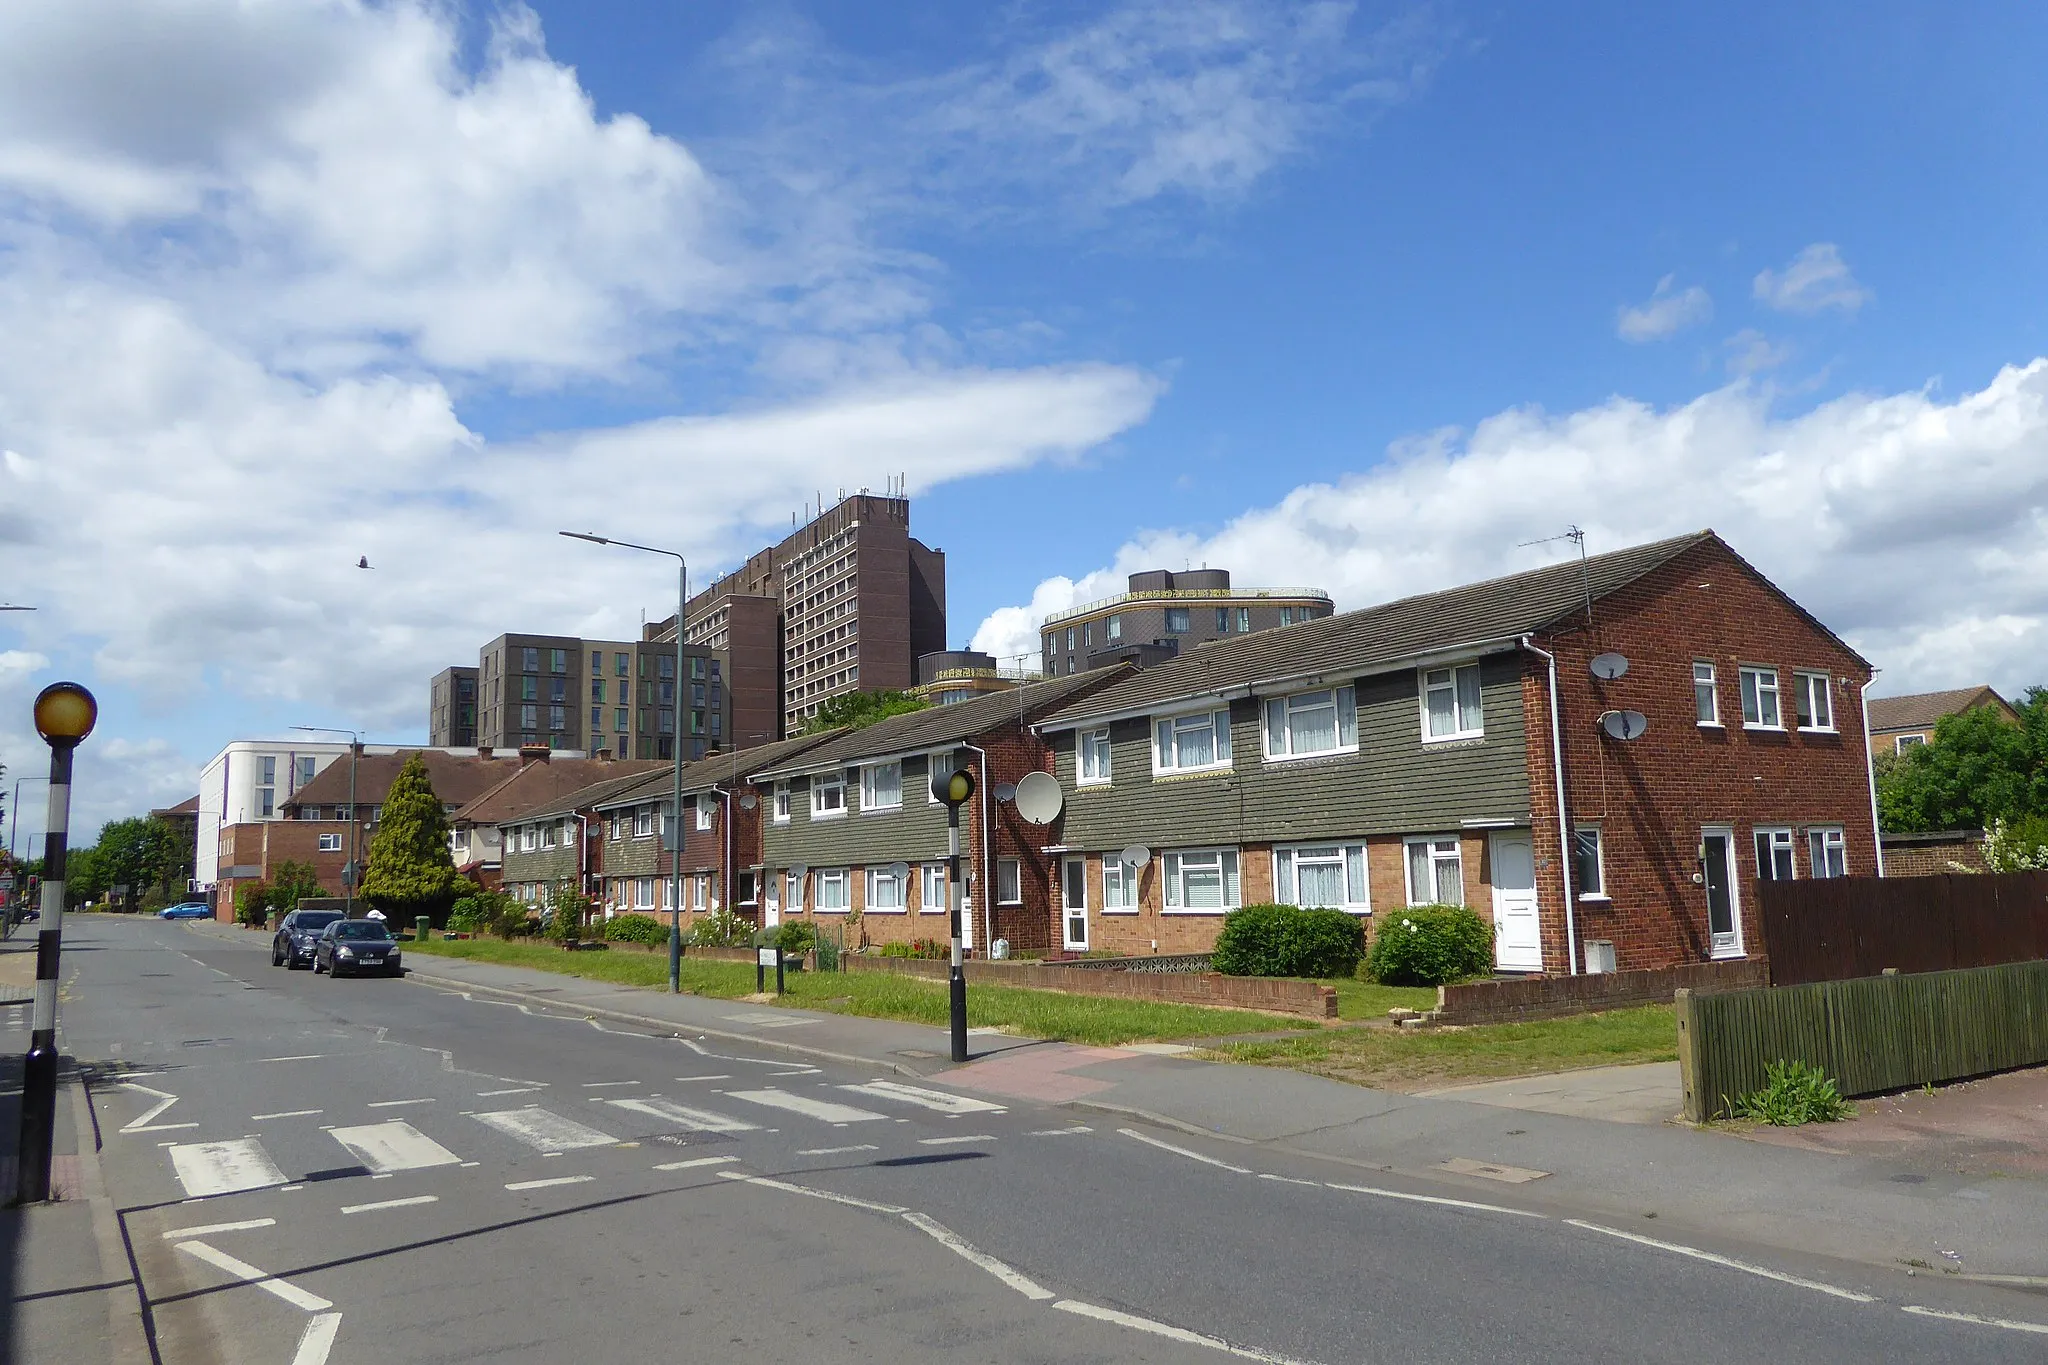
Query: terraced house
<point x="1598" y="755"/>
<point x="854" y="832"/>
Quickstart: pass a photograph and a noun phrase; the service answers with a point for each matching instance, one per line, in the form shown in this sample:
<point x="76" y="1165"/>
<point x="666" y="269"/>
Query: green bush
<point x="473" y="914"/>
<point x="635" y="929"/>
<point x="796" y="937"/>
<point x="252" y="903"/>
<point x="722" y="929"/>
<point x="1429" y="945"/>
<point x="1288" y="940"/>
<point x="1793" y="1093"/>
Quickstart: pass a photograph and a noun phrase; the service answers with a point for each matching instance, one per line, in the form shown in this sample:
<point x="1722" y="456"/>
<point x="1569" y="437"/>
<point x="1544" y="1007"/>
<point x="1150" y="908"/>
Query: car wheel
<point x="277" y="958"/>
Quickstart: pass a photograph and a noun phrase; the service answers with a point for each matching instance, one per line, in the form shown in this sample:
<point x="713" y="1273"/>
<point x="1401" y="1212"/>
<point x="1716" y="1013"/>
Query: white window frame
<point x="936" y="762"/>
<point x="1349" y="856"/>
<point x="1758" y="683"/>
<point x="841" y="885"/>
<point x="529" y="839"/>
<point x="782" y="802"/>
<point x="835" y="783"/>
<point x="872" y="796"/>
<point x="1119" y="885"/>
<point x="1465" y="724"/>
<point x="931" y="889"/>
<point x="1905" y="742"/>
<point x="1219" y="726"/>
<point x="329" y="843"/>
<point x="1780" y="842"/>
<point x="1009" y="881"/>
<point x="1814" y="692"/>
<point x="1278" y="716"/>
<point x="706" y="803"/>
<point x="643" y="893"/>
<point x="1598" y="881"/>
<point x="793" y="892"/>
<point x="1439" y="854"/>
<point x="883" y="885"/>
<point x="1174" y="874"/>
<point x="1093" y="764"/>
<point x="1113" y="628"/>
<point x="1073" y="914"/>
<point x="643" y="822"/>
<point x="1705" y="675"/>
<point x="1821" y="841"/>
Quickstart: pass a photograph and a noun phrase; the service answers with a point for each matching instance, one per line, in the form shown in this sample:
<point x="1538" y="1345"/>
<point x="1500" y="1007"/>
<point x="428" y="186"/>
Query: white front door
<point x="771" y="903"/>
<point x="1518" y="934"/>
<point x="1074" y="904"/>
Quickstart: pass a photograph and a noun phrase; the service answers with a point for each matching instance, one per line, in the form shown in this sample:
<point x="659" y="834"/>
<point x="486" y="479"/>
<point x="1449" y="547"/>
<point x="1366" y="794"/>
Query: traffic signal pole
<point x="955" y="789"/>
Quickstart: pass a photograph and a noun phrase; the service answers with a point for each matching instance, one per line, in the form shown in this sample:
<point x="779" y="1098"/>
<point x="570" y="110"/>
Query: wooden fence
<point x="1872" y="1035"/>
<point x="1844" y="927"/>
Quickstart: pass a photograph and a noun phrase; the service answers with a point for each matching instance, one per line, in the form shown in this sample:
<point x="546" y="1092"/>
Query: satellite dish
<point x="1038" y="798"/>
<point x="748" y="800"/>
<point x="1624" y="724"/>
<point x="1006" y="791"/>
<point x="899" y="870"/>
<point x="1609" y="666"/>
<point x="796" y="869"/>
<point x="1136" y="855"/>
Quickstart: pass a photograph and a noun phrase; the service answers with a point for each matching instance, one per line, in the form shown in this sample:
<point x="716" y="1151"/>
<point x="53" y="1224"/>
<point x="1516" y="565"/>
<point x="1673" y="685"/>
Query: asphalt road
<point x="381" y="1171"/>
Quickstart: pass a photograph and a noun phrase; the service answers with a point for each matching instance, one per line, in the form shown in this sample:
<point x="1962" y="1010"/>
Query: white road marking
<point x="317" y="1340"/>
<point x="823" y="1110"/>
<point x="141" y="1123"/>
<point x="1290" y="1180"/>
<point x="695" y="1162"/>
<point x="954" y="1141"/>
<point x="161" y="1128"/>
<point x="1182" y="1151"/>
<point x="243" y="1226"/>
<point x="700" y="1120"/>
<point x="966" y="1250"/>
<point x="207" y="1168"/>
<point x="396" y="1104"/>
<point x="704" y="1078"/>
<point x="554" y="1180"/>
<point x="789" y="1188"/>
<point x="2008" y="1324"/>
<point x="1745" y="1267"/>
<point x="391" y="1204"/>
<point x="302" y="1057"/>
<point x="249" y="1274"/>
<point x="550" y="1133"/>
<point x="1172" y="1333"/>
<point x="838" y="1151"/>
<point x="929" y="1099"/>
<point x="393" y="1145"/>
<point x="599" y="1085"/>
<point x="1060" y="1132"/>
<point x="515" y="1090"/>
<point x="1439" y="1199"/>
<point x="286" y="1114"/>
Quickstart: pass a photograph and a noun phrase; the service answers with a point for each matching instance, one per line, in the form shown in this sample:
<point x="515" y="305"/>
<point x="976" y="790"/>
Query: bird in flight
<point x="363" y="563"/>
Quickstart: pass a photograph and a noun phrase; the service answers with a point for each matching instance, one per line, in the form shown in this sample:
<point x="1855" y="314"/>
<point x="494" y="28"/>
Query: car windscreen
<point x="360" y="928"/>
<point x="313" y="921"/>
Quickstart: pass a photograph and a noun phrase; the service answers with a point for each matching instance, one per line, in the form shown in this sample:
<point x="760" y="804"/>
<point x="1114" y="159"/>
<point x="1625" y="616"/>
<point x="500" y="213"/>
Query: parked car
<point x="186" y="910"/>
<point x="298" y="934"/>
<point x="354" y="946"/>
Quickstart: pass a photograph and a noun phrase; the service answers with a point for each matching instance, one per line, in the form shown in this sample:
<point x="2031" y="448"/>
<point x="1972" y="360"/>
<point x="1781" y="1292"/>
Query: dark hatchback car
<point x="354" y="947"/>
<point x="301" y="929"/>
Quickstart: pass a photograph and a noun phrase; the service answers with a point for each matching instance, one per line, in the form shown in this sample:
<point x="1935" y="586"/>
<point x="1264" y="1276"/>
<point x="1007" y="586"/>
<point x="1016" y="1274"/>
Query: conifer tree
<point x="411" y="871"/>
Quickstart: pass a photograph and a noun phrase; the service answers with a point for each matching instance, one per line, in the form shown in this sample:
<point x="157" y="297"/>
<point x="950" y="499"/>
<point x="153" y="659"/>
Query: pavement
<point x="1647" y="1093"/>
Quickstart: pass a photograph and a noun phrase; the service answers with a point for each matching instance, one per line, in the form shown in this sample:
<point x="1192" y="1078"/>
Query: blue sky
<point x="1359" y="297"/>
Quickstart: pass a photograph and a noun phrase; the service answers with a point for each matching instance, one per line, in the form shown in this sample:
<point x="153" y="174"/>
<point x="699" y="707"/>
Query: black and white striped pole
<point x="954" y="789"/>
<point x="65" y="713"/>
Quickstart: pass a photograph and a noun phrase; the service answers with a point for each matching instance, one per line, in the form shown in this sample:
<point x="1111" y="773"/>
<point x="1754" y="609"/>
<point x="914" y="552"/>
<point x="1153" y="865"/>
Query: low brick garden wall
<point x="1272" y="995"/>
<point x="1551" y="997"/>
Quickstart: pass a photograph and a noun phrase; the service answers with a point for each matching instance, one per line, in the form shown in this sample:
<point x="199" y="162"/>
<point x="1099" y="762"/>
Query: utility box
<point x="1599" y="956"/>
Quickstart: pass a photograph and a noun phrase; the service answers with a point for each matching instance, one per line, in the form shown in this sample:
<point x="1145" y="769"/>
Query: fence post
<point x="1688" y="1056"/>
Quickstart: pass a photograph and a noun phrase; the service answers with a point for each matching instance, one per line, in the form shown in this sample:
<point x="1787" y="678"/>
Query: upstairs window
<point x="1113" y="628"/>
<point x="1094" y="757"/>
<point x="1244" y="620"/>
<point x="547" y="836"/>
<point x="1811" y="701"/>
<point x="1451" y="703"/>
<point x="643" y="823"/>
<point x="1905" y="742"/>
<point x="782" y="803"/>
<point x="1312" y="723"/>
<point x="1760" y="699"/>
<point x="881" y="786"/>
<point x="558" y="661"/>
<point x="1192" y="742"/>
<point x="330" y="843"/>
<point x="705" y="805"/>
<point x="1706" y="698"/>
<point x="828" y="796"/>
<point x="1329" y="876"/>
<point x="1827" y="851"/>
<point x="1223" y="620"/>
<point x="1774" y="855"/>
<point x="1177" y="620"/>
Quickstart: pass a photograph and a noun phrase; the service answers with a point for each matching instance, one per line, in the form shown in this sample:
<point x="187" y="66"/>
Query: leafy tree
<point x="253" y="901"/>
<point x="137" y="853"/>
<point x="293" y="882"/>
<point x="85" y="878"/>
<point x="1978" y="768"/>
<point x="411" y="872"/>
<point x="855" y="709"/>
<point x="568" y="909"/>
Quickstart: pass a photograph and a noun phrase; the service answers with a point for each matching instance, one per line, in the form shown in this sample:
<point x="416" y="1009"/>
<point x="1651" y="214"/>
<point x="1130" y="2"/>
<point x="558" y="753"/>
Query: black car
<point x="354" y="947"/>
<point x="301" y="929"/>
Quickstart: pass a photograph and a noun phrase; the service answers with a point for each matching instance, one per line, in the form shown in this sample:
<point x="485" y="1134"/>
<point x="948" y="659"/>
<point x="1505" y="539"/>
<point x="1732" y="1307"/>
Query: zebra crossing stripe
<point x="929" y="1099"/>
<point x="210" y="1168"/>
<point x="826" y="1111"/>
<point x="697" y="1120"/>
<point x="545" y="1131"/>
<point x="393" y="1146"/>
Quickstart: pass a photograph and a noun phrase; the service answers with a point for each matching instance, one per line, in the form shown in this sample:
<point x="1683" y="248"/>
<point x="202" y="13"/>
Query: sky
<point x="1353" y="296"/>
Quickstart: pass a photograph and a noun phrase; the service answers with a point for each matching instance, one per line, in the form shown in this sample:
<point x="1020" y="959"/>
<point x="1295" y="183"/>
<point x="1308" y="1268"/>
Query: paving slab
<point x="1648" y="1093"/>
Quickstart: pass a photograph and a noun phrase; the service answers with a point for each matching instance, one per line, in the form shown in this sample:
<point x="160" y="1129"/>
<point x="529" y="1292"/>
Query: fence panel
<point x="1846" y="927"/>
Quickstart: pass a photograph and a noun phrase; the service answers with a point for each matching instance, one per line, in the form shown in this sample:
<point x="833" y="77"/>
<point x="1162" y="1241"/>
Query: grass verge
<point x="1420" y="1059"/>
<point x="1364" y="1000"/>
<point x="881" y="995"/>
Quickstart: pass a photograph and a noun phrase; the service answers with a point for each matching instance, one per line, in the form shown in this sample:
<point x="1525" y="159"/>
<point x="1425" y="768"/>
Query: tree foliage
<point x="293" y="882"/>
<point x="855" y="709"/>
<point x="411" y="871"/>
<point x="1977" y="769"/>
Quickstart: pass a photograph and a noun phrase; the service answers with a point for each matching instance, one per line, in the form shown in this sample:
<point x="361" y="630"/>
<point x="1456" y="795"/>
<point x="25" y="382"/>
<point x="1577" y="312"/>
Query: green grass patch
<point x="1367" y="1000"/>
<point x="1419" y="1059"/>
<point x="1087" y="1019"/>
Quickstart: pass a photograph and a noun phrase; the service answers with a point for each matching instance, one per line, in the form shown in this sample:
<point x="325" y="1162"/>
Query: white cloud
<point x="1816" y="279"/>
<point x="1667" y="310"/>
<point x="1751" y="352"/>
<point x="1916" y="528"/>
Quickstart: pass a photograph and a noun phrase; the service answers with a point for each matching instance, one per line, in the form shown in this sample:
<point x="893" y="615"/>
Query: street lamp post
<point x="353" y="872"/>
<point x="675" y="710"/>
<point x="65" y="713"/>
<point x="955" y="788"/>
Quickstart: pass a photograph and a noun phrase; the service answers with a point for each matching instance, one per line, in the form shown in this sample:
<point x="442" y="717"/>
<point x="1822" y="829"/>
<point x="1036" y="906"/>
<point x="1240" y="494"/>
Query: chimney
<point x="530" y="753"/>
<point x="483" y="751"/>
<point x="603" y="755"/>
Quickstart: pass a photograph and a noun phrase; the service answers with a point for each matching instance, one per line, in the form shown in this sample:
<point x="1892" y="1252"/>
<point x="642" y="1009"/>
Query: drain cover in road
<point x="1487" y="1170"/>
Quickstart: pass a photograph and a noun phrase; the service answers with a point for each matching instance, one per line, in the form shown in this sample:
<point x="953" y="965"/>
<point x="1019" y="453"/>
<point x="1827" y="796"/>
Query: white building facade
<point x="249" y="781"/>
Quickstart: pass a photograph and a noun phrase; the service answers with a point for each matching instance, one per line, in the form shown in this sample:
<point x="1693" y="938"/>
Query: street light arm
<point x="622" y="544"/>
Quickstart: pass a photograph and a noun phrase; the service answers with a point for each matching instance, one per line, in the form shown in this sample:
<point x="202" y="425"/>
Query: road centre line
<point x="1439" y="1199"/>
<point x="391" y="1203"/>
<point x="515" y="1090"/>
<point x="1060" y="1132"/>
<point x="243" y="1226"/>
<point x="694" y="1162"/>
<point x="599" y="1085"/>
<point x="838" y="1151"/>
<point x="317" y="1340"/>
<point x="1172" y="1333"/>
<point x="286" y="1114"/>
<point x="1182" y="1151"/>
<point x="967" y="1251"/>
<point x="704" y="1078"/>
<point x="2009" y="1324"/>
<point x="1290" y="1180"/>
<point x="395" y="1104"/>
<point x="1716" y="1259"/>
<point x="555" y="1180"/>
<point x="789" y="1188"/>
<point x="249" y="1274"/>
<point x="955" y="1141"/>
<point x="302" y="1057"/>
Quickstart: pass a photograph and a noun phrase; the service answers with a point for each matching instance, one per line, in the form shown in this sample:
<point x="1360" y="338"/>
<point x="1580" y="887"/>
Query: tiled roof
<point x="537" y="785"/>
<point x="936" y="727"/>
<point x="656" y="782"/>
<point x="1355" y="641"/>
<point x="1920" y="710"/>
<point x="458" y="779"/>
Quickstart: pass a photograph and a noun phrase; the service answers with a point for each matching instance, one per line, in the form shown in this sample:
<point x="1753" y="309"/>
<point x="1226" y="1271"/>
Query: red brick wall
<point x="1652" y="795"/>
<point x="1274" y="995"/>
<point x="1548" y="997"/>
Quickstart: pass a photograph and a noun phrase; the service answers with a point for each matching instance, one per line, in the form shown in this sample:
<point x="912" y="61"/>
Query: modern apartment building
<point x="957" y="675"/>
<point x="619" y="696"/>
<point x="248" y="782"/>
<point x="853" y="600"/>
<point x="1165" y="612"/>
<point x="451" y="714"/>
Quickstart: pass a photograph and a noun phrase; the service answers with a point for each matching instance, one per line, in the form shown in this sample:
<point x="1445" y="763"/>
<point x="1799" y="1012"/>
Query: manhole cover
<point x="1487" y="1170"/>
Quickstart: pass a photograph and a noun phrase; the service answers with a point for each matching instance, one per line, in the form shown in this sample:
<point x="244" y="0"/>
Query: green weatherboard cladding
<point x="1394" y="784"/>
<point x="914" y="831"/>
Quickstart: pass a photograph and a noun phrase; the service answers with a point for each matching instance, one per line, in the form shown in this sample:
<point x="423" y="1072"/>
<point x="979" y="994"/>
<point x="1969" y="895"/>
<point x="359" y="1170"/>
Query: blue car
<point x="187" y="910"/>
